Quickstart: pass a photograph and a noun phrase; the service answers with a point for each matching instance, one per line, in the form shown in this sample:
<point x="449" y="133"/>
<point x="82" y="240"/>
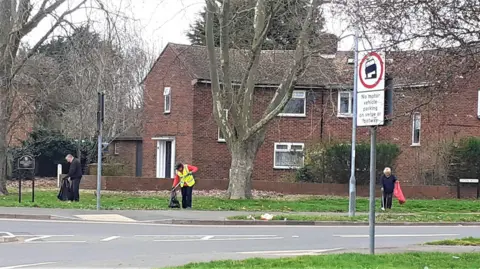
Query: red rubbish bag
<point x="398" y="193"/>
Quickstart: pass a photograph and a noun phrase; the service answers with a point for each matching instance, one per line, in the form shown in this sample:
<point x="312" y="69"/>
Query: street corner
<point x="6" y="237"/>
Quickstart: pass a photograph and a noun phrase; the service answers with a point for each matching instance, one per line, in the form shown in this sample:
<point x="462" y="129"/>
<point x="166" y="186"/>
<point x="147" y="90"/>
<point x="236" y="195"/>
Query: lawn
<point x="385" y="218"/>
<point x="467" y="241"/>
<point x="349" y="261"/>
<point x="48" y="199"/>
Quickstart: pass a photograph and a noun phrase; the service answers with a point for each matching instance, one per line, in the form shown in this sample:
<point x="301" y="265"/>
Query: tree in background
<point x="244" y="133"/>
<point x="283" y="33"/>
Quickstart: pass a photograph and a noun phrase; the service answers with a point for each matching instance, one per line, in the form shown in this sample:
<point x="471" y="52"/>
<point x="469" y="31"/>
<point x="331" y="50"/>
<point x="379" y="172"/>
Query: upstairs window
<point x="167" y="97"/>
<point x="416" y="127"/>
<point x="221" y="137"/>
<point x="345" y="104"/>
<point x="297" y="106"/>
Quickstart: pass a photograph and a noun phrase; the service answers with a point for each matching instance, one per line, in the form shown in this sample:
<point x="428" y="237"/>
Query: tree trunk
<point x="243" y="157"/>
<point x="3" y="138"/>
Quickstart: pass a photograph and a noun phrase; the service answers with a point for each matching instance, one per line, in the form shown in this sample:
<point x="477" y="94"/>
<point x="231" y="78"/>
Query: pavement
<point x="64" y="243"/>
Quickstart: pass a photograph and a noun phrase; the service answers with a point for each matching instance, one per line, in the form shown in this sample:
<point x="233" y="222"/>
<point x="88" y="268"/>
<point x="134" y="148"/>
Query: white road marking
<point x="49" y="242"/>
<point x="217" y="239"/>
<point x="8" y="235"/>
<point x="207" y="237"/>
<point x="106" y="217"/>
<point x="204" y="235"/>
<point x="27" y="265"/>
<point x="291" y="252"/>
<point x="393" y="235"/>
<point x="238" y="226"/>
<point x="110" y="238"/>
<point x="37" y="238"/>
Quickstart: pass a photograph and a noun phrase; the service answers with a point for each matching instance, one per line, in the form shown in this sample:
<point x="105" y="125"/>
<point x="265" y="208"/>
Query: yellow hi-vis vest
<point x="185" y="178"/>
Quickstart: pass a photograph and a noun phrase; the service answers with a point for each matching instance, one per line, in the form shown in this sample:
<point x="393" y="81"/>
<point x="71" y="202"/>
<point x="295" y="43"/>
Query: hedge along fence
<point x="465" y="159"/>
<point x="330" y="163"/>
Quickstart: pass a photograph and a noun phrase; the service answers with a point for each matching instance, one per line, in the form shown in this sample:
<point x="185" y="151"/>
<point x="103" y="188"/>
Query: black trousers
<point x="387" y="200"/>
<point x="76" y="188"/>
<point x="187" y="197"/>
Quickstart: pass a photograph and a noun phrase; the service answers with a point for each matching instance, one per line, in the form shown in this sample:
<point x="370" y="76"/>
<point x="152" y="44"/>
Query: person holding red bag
<point x="388" y="187"/>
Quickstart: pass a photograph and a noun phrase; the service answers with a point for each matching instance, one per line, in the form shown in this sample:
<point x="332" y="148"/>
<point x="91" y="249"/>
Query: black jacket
<point x="75" y="171"/>
<point x="388" y="183"/>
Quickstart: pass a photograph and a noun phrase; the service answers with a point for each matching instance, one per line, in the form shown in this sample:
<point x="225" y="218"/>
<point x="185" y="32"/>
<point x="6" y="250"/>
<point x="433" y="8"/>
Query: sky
<point x="158" y="22"/>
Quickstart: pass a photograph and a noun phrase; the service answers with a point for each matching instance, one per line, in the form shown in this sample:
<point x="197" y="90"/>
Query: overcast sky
<point x="163" y="21"/>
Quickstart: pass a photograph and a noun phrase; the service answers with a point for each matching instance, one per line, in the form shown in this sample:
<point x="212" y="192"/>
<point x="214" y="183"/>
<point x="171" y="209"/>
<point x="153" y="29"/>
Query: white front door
<point x="165" y="157"/>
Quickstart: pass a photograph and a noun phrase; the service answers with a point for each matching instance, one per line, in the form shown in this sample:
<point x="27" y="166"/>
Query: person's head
<point x="69" y="158"/>
<point x="387" y="171"/>
<point x="179" y="167"/>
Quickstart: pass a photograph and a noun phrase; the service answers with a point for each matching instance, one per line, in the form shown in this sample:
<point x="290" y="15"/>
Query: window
<point x="221" y="137"/>
<point x="478" y="105"/>
<point x="288" y="155"/>
<point x="416" y="122"/>
<point x="296" y="107"/>
<point x="345" y="104"/>
<point x="167" y="95"/>
<point x="115" y="148"/>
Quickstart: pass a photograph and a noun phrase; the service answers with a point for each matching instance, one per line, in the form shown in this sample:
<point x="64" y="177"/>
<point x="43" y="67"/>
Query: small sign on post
<point x="26" y="164"/>
<point x="468" y="181"/>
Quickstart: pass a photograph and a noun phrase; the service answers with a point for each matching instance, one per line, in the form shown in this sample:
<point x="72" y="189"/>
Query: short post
<point x="373" y="177"/>
<point x="20" y="190"/>
<point x="59" y="174"/>
<point x="33" y="190"/>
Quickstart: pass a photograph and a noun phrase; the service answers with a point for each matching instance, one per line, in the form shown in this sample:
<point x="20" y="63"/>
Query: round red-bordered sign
<point x="360" y="67"/>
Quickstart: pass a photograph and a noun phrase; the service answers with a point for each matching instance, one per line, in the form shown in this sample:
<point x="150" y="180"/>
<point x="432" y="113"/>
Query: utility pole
<point x="100" y="117"/>
<point x="373" y="178"/>
<point x="352" y="185"/>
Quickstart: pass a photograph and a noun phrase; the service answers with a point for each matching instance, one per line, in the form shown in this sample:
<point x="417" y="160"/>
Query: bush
<point x="330" y="163"/>
<point x="108" y="169"/>
<point x="465" y="158"/>
<point x="49" y="148"/>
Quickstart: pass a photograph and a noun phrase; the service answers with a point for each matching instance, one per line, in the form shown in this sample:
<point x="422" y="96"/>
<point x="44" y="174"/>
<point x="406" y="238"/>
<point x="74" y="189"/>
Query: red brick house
<point x="179" y="125"/>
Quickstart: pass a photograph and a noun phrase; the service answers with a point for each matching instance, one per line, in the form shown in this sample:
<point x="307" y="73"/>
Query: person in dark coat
<point x="75" y="174"/>
<point x="388" y="186"/>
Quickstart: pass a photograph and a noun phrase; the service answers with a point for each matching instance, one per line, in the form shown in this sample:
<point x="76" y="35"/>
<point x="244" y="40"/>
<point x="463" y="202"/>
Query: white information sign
<point x="370" y="108"/>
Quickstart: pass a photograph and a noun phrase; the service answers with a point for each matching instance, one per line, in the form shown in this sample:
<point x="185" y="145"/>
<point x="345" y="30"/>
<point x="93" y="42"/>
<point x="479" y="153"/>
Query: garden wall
<point x="155" y="184"/>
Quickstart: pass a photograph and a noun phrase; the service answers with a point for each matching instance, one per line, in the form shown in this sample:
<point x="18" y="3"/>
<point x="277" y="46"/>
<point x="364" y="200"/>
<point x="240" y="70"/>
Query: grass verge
<point x="467" y="241"/>
<point x="430" y="217"/>
<point x="348" y="261"/>
<point x="48" y="199"/>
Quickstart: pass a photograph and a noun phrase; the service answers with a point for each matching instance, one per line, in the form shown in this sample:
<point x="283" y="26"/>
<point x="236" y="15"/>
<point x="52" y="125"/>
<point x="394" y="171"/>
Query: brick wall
<point x="126" y="153"/>
<point x="155" y="184"/>
<point x="168" y="71"/>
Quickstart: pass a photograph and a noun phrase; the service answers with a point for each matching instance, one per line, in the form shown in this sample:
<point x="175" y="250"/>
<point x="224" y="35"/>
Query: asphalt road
<point x="60" y="244"/>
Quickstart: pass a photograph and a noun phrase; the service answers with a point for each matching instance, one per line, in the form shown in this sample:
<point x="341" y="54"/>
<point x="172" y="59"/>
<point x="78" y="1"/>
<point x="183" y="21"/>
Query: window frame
<point x="297" y="115"/>
<point x="219" y="139"/>
<point x="414" y="115"/>
<point x="289" y="144"/>
<point x="167" y="96"/>
<point x="115" y="148"/>
<point x="350" y="104"/>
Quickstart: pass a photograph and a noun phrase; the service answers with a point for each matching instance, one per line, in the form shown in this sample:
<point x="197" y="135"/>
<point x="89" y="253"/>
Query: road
<point x="60" y="244"/>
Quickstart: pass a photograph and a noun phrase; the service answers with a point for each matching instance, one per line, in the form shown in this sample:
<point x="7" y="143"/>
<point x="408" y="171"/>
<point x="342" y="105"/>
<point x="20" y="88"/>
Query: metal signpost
<point x="100" y="117"/>
<point x="26" y="164"/>
<point x="371" y="112"/>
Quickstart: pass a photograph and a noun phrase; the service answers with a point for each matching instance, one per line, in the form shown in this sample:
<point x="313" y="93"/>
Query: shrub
<point x="465" y="157"/>
<point x="328" y="163"/>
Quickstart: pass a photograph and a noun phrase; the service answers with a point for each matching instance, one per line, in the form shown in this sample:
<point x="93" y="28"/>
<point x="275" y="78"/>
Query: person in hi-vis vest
<point x="184" y="177"/>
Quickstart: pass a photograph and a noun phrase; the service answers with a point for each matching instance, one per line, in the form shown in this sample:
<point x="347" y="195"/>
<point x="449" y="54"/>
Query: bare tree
<point x="243" y="132"/>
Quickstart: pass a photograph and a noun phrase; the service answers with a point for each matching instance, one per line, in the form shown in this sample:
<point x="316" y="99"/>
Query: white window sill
<point x="415" y="145"/>
<point x="344" y="115"/>
<point x="166" y="112"/>
<point x="286" y="168"/>
<point x="221" y="141"/>
<point x="293" y="115"/>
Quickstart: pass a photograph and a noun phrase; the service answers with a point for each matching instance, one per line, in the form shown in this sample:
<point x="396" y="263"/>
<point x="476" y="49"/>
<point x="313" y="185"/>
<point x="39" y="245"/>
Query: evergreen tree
<point x="285" y="26"/>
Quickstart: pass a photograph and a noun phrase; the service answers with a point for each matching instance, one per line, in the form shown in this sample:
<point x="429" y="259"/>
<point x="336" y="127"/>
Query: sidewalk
<point x="413" y="248"/>
<point x="142" y="215"/>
